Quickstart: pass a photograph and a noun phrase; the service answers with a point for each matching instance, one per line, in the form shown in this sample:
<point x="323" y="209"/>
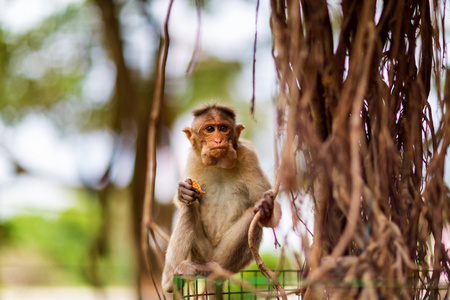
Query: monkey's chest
<point x="221" y="207"/>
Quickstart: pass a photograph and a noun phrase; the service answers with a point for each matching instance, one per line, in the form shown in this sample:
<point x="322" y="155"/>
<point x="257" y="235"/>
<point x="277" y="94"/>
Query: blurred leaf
<point x="47" y="65"/>
<point x="64" y="242"/>
<point x="212" y="80"/>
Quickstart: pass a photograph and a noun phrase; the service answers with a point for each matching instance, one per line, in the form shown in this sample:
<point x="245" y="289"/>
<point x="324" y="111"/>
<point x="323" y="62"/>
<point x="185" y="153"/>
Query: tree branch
<point x="152" y="129"/>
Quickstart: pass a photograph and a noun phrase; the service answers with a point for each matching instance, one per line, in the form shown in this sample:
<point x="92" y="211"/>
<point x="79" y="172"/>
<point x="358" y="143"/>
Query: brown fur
<point x="213" y="227"/>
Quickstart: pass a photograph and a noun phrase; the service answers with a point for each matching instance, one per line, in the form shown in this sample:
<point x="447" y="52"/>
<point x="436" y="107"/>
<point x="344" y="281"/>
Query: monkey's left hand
<point x="265" y="205"/>
<point x="269" y="209"/>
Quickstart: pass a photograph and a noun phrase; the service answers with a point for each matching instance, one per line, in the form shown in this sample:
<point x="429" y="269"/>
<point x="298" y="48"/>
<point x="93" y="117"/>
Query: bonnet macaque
<point x="212" y="227"/>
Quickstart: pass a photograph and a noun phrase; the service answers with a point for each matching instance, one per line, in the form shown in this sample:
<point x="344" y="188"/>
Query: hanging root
<point x="260" y="263"/>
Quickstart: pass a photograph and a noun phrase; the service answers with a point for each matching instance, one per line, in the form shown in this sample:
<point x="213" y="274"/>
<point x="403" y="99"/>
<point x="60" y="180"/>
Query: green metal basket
<point x="250" y="284"/>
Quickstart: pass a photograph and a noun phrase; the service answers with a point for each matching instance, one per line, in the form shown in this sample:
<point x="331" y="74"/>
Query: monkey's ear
<point x="239" y="128"/>
<point x="188" y="131"/>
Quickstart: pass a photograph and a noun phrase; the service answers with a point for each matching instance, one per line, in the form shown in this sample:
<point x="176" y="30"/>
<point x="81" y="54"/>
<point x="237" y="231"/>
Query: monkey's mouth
<point x="218" y="148"/>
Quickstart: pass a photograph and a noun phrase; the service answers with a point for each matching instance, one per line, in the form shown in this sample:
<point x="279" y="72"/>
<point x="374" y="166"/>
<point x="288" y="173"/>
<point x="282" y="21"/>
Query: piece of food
<point x="197" y="186"/>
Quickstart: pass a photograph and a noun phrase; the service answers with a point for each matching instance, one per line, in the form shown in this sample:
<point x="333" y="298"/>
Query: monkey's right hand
<point x="187" y="194"/>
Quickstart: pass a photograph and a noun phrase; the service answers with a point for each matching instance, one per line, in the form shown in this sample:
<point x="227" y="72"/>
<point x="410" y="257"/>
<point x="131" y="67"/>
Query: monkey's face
<point x="214" y="136"/>
<point x="217" y="139"/>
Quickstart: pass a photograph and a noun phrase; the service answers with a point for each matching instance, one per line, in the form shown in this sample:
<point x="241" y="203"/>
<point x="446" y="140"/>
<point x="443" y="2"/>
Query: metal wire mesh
<point x="251" y="285"/>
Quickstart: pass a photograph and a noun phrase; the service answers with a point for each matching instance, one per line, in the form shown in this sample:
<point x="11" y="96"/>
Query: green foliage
<point x="212" y="79"/>
<point x="273" y="262"/>
<point x="64" y="240"/>
<point x="63" y="247"/>
<point x="46" y="66"/>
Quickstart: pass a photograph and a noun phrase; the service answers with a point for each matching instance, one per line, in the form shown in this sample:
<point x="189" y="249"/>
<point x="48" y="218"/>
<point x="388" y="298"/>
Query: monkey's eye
<point x="210" y="128"/>
<point x="223" y="128"/>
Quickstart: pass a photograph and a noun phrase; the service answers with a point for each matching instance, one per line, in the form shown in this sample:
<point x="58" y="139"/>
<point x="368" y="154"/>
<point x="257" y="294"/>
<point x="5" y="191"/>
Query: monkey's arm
<point x="187" y="242"/>
<point x="260" y="192"/>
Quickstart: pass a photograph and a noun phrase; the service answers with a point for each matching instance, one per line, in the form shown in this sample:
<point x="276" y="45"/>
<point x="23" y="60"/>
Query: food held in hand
<point x="197" y="186"/>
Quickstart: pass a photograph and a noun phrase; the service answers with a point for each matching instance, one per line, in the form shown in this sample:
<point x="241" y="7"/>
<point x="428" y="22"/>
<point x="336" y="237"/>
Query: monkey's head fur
<point x="214" y="134"/>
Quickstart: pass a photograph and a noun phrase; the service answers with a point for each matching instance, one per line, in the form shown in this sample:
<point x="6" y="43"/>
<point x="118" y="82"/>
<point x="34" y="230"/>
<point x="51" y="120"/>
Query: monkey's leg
<point x="233" y="252"/>
<point x="188" y="242"/>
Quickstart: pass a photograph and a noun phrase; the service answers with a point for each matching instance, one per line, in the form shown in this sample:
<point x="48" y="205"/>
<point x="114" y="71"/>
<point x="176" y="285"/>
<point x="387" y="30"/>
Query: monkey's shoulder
<point x="246" y="152"/>
<point x="250" y="168"/>
<point x="246" y="145"/>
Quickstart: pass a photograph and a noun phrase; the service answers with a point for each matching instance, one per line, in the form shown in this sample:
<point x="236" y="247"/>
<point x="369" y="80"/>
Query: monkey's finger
<point x="186" y="199"/>
<point x="257" y="207"/>
<point x="268" y="196"/>
<point x="196" y="191"/>
<point x="188" y="181"/>
<point x="191" y="193"/>
<point x="266" y="210"/>
<point x="187" y="186"/>
<point x="269" y="193"/>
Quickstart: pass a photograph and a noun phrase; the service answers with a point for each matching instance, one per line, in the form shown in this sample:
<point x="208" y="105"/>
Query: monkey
<point x="212" y="227"/>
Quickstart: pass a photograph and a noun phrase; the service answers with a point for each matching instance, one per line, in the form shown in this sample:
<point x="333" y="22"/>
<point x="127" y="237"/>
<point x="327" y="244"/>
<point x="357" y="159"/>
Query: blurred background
<point x="76" y="86"/>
